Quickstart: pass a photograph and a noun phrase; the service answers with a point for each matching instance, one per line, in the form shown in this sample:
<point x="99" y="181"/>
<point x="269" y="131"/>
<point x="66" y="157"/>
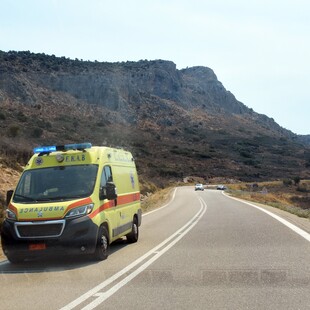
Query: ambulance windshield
<point x="56" y="183"/>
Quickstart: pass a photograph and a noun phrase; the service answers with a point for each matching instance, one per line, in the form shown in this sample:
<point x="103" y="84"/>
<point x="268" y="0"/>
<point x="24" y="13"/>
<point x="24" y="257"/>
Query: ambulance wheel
<point x="133" y="236"/>
<point x="102" y="247"/>
<point x="16" y="259"/>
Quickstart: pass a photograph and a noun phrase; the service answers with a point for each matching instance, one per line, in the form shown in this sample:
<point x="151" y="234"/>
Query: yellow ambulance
<point x="74" y="198"/>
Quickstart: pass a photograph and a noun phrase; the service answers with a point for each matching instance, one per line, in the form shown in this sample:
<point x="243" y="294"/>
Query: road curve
<point x="202" y="251"/>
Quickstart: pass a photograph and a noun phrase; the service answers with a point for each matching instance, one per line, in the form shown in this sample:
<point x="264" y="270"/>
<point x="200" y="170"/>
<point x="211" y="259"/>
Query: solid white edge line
<point x="296" y="229"/>
<point x="113" y="278"/>
<point x="136" y="272"/>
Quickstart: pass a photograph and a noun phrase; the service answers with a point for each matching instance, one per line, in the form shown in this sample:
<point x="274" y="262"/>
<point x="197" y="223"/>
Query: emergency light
<point x="45" y="149"/>
<point x="66" y="147"/>
<point x="77" y="146"/>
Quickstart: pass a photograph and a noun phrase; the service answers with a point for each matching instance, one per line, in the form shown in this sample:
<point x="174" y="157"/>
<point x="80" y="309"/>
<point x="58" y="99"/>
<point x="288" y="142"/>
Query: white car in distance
<point x="199" y="187"/>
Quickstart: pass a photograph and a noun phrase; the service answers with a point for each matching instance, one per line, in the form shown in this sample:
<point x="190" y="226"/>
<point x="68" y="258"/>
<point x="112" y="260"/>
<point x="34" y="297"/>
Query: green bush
<point x="13" y="131"/>
<point x="21" y="117"/>
<point x="37" y="132"/>
<point x="296" y="180"/>
<point x="2" y="116"/>
<point x="287" y="182"/>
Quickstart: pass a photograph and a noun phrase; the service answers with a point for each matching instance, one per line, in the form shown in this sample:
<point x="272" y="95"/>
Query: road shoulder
<point x="300" y="222"/>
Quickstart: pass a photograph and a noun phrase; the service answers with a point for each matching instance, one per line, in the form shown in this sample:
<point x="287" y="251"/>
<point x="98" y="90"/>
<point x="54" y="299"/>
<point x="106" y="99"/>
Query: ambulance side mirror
<point x="9" y="195"/>
<point x="111" y="191"/>
<point x="108" y="191"/>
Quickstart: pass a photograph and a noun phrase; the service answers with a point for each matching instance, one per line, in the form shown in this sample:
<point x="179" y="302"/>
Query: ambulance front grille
<point x="35" y="230"/>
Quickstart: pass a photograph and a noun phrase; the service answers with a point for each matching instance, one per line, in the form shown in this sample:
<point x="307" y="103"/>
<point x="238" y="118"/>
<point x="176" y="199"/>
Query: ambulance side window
<point x="106" y="176"/>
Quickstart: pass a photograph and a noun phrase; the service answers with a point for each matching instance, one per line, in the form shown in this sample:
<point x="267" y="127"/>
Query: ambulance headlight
<point x="10" y="215"/>
<point x="80" y="211"/>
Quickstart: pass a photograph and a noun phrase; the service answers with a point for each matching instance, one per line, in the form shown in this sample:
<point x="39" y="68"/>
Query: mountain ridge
<point x="177" y="122"/>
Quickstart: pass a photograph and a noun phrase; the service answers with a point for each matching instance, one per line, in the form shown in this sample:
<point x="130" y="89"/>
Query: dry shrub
<point x="156" y="199"/>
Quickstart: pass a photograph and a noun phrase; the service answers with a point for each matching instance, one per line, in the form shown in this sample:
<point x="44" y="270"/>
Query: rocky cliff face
<point x="178" y="116"/>
<point x="202" y="87"/>
<point x="113" y="85"/>
<point x="25" y="77"/>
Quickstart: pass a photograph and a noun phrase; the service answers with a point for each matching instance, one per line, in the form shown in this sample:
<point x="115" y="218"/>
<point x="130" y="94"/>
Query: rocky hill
<point x="178" y="123"/>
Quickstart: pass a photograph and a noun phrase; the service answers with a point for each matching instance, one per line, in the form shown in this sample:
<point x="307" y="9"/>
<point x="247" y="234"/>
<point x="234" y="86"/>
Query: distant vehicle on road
<point x="221" y="187"/>
<point x="199" y="187"/>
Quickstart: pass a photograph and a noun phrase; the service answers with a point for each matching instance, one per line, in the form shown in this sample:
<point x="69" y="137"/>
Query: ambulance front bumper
<point x="72" y="236"/>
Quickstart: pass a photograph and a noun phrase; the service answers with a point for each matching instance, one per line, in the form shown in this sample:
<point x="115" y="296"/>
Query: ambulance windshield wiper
<point x="54" y="198"/>
<point x="22" y="198"/>
<point x="43" y="199"/>
<point x="64" y="198"/>
<point x="25" y="197"/>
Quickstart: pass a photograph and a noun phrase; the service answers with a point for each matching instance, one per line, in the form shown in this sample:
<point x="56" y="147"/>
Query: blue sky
<point x="259" y="50"/>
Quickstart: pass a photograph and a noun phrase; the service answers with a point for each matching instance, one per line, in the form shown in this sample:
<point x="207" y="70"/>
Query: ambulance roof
<point x="76" y="154"/>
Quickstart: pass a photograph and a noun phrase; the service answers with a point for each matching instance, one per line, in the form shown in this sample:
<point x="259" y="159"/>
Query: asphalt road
<point x="201" y="251"/>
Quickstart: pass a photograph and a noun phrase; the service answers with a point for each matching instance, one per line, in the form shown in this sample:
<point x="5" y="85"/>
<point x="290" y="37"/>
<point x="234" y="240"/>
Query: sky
<point x="258" y="49"/>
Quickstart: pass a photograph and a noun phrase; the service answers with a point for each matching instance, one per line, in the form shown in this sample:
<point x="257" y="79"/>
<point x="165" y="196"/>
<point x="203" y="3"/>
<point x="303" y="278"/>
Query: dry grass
<point x="294" y="198"/>
<point x="156" y="199"/>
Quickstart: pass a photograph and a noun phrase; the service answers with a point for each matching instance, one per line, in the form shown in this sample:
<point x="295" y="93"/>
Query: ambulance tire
<point x="133" y="236"/>
<point x="102" y="248"/>
<point x="16" y="259"/>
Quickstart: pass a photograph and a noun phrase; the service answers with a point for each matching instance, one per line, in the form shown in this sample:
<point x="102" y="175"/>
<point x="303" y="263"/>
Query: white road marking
<point x="296" y="229"/>
<point x="145" y="214"/>
<point x="150" y="257"/>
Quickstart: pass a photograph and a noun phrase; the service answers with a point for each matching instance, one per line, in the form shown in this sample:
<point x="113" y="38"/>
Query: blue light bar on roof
<point x="66" y="147"/>
<point x="45" y="149"/>
<point x="77" y="146"/>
